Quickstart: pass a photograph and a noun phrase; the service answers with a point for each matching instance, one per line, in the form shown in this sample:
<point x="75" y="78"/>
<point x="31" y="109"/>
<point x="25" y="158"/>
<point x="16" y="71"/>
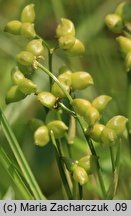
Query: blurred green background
<point x="102" y="60"/>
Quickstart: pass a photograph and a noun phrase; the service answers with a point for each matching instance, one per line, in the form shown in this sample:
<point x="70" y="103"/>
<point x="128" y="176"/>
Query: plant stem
<point x="27" y="173"/>
<point x="14" y="174"/>
<point x="60" y="164"/>
<point x="112" y="158"/>
<point x="129" y="108"/>
<point x="80" y="191"/>
<point x="37" y="64"/>
<point x="90" y="144"/>
<point x="50" y="55"/>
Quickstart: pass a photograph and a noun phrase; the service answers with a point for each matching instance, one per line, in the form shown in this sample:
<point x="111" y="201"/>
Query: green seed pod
<point x="27" y="86"/>
<point x="91" y="115"/>
<point x="66" y="78"/>
<point x="89" y="163"/>
<point x="35" y="123"/>
<point x="27" y="30"/>
<point x="101" y="102"/>
<point x="57" y="91"/>
<point x="108" y="136"/>
<point x="17" y="76"/>
<point x="125" y="44"/>
<point x="35" y="47"/>
<point x="70" y="163"/>
<point x="25" y="58"/>
<point x="128" y="62"/>
<point x="81" y="106"/>
<point x="47" y="99"/>
<point x="81" y="80"/>
<point x="77" y="49"/>
<point x="13" y="27"/>
<point x="14" y="95"/>
<point x="96" y="131"/>
<point x="124" y="10"/>
<point x="66" y="27"/>
<point x="66" y="42"/>
<point x="114" y="23"/>
<point x="41" y="136"/>
<point x="118" y="124"/>
<point x="80" y="175"/>
<point x="58" y="128"/>
<point x="28" y="14"/>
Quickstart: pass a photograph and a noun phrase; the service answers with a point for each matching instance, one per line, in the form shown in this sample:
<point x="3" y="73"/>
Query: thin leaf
<point x="14" y="174"/>
<point x="9" y="195"/>
<point x="27" y="173"/>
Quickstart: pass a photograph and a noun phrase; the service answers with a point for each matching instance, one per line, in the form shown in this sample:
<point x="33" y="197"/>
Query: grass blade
<point x="14" y="174"/>
<point x="27" y="173"/>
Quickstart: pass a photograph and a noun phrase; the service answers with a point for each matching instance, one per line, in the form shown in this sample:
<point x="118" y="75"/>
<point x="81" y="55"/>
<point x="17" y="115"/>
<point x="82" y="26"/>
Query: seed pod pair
<point x="86" y="110"/>
<point x="113" y="129"/>
<point x="114" y="23"/>
<point x="41" y="135"/>
<point x="26" y="26"/>
<point x="25" y="85"/>
<point x="66" y="33"/>
<point x="89" y="163"/>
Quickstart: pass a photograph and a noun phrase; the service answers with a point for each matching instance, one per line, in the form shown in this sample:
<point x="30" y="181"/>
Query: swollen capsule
<point x="17" y="76"/>
<point x="89" y="163"/>
<point x="66" y="27"/>
<point x="92" y="115"/>
<point x="27" y="86"/>
<point x="41" y="136"/>
<point x="35" y="47"/>
<point x="27" y="30"/>
<point x="81" y="106"/>
<point x="25" y="58"/>
<point x="125" y="44"/>
<point x="47" y="99"/>
<point x="28" y="14"/>
<point x="96" y="132"/>
<point x="81" y="80"/>
<point x="66" y="42"/>
<point x="80" y="175"/>
<point x="101" y="102"/>
<point x="58" y="127"/>
<point x="117" y="123"/>
<point x="14" y="95"/>
<point x="108" y="136"/>
<point x="13" y="27"/>
<point x="114" y="23"/>
<point x="128" y="62"/>
<point x="77" y="49"/>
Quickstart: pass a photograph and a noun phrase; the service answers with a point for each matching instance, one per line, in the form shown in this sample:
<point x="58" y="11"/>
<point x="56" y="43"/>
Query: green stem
<point x="27" y="173"/>
<point x="80" y="191"/>
<point x="50" y="55"/>
<point x="112" y="158"/>
<point x="90" y="144"/>
<point x="14" y="174"/>
<point x="60" y="164"/>
<point x="129" y="108"/>
<point x="37" y="64"/>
